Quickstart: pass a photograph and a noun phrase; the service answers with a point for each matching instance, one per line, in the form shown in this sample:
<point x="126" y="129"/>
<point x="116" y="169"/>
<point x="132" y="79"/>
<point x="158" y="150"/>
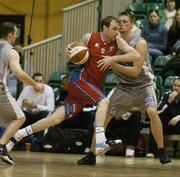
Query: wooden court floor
<point x="31" y="164"/>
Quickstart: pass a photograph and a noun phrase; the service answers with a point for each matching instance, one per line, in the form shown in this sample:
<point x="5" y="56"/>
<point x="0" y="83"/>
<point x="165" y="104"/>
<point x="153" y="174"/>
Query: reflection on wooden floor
<point x="29" y="164"/>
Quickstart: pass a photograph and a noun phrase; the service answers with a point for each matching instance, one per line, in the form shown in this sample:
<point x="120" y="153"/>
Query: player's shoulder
<point x="86" y="37"/>
<point x="141" y="40"/>
<point x="13" y="56"/>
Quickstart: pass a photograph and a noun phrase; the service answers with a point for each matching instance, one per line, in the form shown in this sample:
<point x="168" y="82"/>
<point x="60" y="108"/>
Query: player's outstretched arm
<point x="20" y="74"/>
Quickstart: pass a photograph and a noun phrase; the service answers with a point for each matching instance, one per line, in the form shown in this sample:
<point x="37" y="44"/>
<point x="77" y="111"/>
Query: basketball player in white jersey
<point x="10" y="112"/>
<point x="135" y="87"/>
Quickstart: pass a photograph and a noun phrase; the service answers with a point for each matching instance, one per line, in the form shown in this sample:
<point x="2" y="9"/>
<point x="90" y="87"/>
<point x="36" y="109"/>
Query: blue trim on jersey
<point x="149" y="101"/>
<point x="75" y="75"/>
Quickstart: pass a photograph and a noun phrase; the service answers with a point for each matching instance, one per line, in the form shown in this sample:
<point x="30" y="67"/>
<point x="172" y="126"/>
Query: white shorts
<point x="123" y="100"/>
<point x="9" y="109"/>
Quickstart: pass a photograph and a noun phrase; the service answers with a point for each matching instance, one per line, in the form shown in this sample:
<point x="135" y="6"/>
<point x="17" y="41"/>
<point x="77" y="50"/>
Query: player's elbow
<point x="18" y="72"/>
<point x="104" y="103"/>
<point x="20" y="76"/>
<point x="135" y="73"/>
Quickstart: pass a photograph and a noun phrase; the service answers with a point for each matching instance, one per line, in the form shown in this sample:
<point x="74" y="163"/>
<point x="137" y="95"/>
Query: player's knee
<point x="104" y="102"/>
<point x="22" y="119"/>
<point x="58" y="116"/>
<point x="151" y="111"/>
<point x="57" y="120"/>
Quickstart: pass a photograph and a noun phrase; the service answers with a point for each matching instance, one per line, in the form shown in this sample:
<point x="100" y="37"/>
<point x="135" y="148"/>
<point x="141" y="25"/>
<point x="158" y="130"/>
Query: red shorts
<point x="81" y="93"/>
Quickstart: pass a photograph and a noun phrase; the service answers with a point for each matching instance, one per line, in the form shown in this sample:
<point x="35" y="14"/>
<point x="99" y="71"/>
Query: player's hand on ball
<point x="71" y="46"/>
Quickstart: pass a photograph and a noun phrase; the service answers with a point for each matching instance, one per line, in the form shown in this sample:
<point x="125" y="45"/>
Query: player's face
<point x="125" y="24"/>
<point x="112" y="31"/>
<point x="176" y="86"/>
<point x="13" y="36"/>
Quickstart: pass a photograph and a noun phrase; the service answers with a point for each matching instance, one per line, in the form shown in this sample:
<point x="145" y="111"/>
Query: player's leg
<point x="155" y="122"/>
<point x="90" y="158"/>
<point x="56" y="118"/>
<point x="71" y="106"/>
<point x="12" y="115"/>
<point x="101" y="112"/>
<point x="156" y="126"/>
<point x="157" y="131"/>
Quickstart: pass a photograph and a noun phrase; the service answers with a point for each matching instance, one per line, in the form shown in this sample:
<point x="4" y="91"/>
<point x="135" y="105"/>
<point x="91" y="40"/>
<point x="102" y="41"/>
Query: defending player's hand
<point x="104" y="63"/>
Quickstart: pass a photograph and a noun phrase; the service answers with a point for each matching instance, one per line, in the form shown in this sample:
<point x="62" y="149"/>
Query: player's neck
<point x="103" y="37"/>
<point x="126" y="35"/>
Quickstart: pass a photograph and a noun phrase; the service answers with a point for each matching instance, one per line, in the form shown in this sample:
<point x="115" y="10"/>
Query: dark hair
<point x="128" y="13"/>
<point x="37" y="75"/>
<point x="165" y="1"/>
<point x="153" y="10"/>
<point x="107" y="20"/>
<point x="174" y="25"/>
<point x="6" y="28"/>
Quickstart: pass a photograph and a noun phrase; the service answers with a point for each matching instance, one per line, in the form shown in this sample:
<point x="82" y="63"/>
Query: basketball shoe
<point x="90" y="158"/>
<point x="4" y="155"/>
<point x="163" y="157"/>
<point x="102" y="148"/>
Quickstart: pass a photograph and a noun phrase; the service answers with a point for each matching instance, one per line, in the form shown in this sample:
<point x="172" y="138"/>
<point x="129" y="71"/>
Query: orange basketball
<point x="79" y="55"/>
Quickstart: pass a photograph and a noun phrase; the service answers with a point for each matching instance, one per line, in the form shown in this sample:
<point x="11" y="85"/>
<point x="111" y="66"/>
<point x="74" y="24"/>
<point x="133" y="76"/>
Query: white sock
<point x="9" y="146"/>
<point x="20" y="134"/>
<point x="100" y="136"/>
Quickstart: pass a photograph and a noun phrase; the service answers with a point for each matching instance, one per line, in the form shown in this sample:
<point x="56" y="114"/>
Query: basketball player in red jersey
<point x="85" y="84"/>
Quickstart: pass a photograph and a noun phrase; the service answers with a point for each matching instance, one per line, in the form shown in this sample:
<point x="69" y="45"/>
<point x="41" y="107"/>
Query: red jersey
<point x="97" y="49"/>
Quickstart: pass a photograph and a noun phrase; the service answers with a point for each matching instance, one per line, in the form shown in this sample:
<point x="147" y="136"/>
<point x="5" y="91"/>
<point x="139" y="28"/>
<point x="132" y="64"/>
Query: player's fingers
<point x="99" y="64"/>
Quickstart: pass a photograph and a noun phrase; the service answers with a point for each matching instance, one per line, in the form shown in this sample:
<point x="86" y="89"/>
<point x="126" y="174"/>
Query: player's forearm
<point x="127" y="70"/>
<point x="22" y="76"/>
<point x="129" y="57"/>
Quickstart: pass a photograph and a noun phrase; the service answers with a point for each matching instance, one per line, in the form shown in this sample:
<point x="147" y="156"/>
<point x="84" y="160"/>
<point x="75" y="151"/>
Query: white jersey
<point x="9" y="108"/>
<point x="5" y="48"/>
<point x="145" y="77"/>
<point x="133" y="92"/>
